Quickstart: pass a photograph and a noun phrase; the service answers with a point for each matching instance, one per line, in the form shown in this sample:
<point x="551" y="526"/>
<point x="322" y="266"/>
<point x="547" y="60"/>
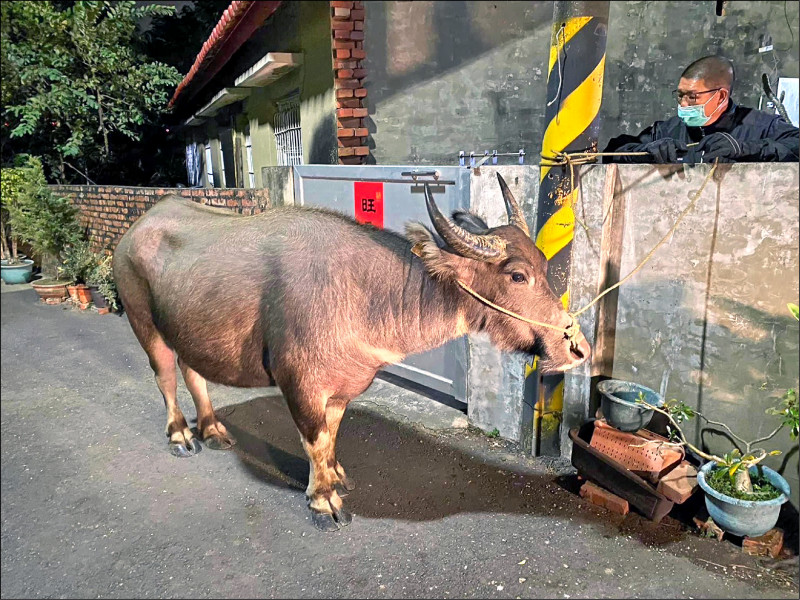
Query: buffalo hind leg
<point x="327" y="512"/>
<point x="334" y="411"/>
<point x="212" y="432"/>
<point x="182" y="442"/>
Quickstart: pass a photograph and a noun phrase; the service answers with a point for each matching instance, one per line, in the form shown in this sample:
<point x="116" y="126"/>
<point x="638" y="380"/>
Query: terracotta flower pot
<point x="51" y="291"/>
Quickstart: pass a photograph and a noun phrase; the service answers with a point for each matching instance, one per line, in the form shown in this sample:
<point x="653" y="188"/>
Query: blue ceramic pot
<point x="20" y="273"/>
<point x="744" y="517"/>
<point x="619" y="407"/>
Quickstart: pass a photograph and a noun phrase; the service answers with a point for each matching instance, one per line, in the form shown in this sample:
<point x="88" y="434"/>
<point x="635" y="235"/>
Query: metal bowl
<point x="619" y="407"/>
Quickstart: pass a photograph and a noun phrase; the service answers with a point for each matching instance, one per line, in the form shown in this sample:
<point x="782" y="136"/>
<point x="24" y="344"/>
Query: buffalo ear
<point x="441" y="265"/>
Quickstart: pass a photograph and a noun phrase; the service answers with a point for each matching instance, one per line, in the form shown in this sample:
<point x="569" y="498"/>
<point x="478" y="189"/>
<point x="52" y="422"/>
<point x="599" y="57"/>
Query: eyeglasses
<point x="690" y="96"/>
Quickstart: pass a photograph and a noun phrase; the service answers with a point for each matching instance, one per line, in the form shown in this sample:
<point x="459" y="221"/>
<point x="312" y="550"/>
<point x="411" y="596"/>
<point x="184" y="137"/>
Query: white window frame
<point x="248" y="145"/>
<point x="207" y="157"/>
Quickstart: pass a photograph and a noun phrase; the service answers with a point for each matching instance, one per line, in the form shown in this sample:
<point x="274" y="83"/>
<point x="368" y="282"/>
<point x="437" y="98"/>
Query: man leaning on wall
<point x="710" y="125"/>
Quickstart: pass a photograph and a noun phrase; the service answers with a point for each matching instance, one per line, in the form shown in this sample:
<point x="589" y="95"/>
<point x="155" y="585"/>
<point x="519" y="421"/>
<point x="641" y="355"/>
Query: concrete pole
<point x="572" y="114"/>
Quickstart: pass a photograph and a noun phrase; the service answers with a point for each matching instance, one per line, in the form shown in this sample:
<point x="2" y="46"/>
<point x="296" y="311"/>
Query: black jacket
<point x="779" y="139"/>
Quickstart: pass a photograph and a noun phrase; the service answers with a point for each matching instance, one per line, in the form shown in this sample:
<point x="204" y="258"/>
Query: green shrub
<point x="103" y="277"/>
<point x="78" y="262"/>
<point x="48" y="223"/>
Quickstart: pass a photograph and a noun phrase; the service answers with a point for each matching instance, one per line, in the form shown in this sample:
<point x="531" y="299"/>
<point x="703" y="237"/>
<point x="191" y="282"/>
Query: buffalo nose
<point x="579" y="349"/>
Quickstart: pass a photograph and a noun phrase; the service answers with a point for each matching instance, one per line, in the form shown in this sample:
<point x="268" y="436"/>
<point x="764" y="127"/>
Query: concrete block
<point x="601" y="497"/>
<point x="679" y="484"/>
<point x="769" y="544"/>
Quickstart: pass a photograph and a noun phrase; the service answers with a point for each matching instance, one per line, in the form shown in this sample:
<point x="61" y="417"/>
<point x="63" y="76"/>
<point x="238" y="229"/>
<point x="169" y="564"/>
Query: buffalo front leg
<point x="324" y="501"/>
<point x="334" y="411"/>
<point x="212" y="432"/>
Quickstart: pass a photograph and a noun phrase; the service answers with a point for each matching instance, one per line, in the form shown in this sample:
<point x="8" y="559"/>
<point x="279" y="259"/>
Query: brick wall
<point x="108" y="211"/>
<point x="347" y="42"/>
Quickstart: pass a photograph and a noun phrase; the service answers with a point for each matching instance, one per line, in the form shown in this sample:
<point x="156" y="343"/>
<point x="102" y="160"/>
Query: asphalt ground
<point x="94" y="505"/>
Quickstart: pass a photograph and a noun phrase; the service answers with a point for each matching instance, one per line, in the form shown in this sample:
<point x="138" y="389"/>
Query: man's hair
<point x="716" y="70"/>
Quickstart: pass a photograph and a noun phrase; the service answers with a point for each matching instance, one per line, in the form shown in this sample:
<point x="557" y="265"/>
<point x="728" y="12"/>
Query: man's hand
<point x="720" y="145"/>
<point x="665" y="150"/>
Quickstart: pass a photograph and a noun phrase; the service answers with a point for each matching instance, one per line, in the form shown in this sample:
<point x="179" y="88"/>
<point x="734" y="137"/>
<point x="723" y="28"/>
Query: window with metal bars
<point x="287" y="133"/>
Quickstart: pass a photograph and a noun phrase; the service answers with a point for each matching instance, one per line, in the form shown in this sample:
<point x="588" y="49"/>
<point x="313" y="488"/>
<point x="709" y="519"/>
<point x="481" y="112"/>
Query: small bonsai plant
<point x="732" y="477"/>
<point x="48" y="223"/>
<point x="78" y="262"/>
<point x="102" y="276"/>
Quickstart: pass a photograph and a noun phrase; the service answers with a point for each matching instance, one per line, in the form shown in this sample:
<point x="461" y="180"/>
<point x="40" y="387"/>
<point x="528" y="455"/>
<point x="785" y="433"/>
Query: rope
<point x="572" y="331"/>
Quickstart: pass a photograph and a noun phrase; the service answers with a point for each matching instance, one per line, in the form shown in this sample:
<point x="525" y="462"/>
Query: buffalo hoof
<point x="184" y="450"/>
<point x="219" y="442"/>
<point x="329" y="523"/>
<point x="347" y="483"/>
<point x="341" y="490"/>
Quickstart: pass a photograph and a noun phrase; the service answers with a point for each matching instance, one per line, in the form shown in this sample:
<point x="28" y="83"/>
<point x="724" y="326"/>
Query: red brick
<point x="362" y="132"/>
<point x="341" y="35"/>
<point x="342" y="53"/>
<point x="769" y="544"/>
<point x="351" y="160"/>
<point x="341" y="13"/>
<point x="360" y="45"/>
<point x="348" y="123"/>
<point x="349" y="84"/>
<point x="103" y="311"/>
<point x="356" y="35"/>
<point x="597" y="495"/>
<point x="342" y="25"/>
<point x="358" y="25"/>
<point x="349" y="103"/>
<point x="347" y="151"/>
<point x="358" y="53"/>
<point x="360" y="112"/>
<point x="343" y="133"/>
<point x="343" y="44"/>
<point x="341" y="4"/>
<point x="362" y="150"/>
<point x="344" y="93"/>
<point x="345" y="64"/>
<point x="349" y="141"/>
<point x="360" y="93"/>
<point x="679" y="484"/>
<point x="343" y="113"/>
<point x="344" y="73"/>
<point x="359" y="73"/>
<point x="357" y="14"/>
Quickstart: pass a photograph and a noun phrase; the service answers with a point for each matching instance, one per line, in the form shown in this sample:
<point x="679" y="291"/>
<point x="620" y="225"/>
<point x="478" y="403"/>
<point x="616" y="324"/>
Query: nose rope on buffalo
<point x="572" y="331"/>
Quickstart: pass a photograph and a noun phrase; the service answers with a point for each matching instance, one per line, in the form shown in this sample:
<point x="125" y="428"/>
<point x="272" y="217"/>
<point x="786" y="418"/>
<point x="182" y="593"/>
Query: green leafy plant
<point x="48" y="223"/>
<point x="103" y="277"/>
<point x="494" y="433"/>
<point x="79" y="262"/>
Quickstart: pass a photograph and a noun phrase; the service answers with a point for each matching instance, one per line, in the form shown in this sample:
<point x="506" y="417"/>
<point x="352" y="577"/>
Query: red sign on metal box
<point x="369" y="202"/>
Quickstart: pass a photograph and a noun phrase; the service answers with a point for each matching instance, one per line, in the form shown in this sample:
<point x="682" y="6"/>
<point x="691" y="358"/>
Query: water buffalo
<point x="312" y="301"/>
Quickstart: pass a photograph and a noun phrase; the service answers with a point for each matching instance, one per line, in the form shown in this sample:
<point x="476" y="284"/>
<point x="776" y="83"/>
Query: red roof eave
<point x="238" y="23"/>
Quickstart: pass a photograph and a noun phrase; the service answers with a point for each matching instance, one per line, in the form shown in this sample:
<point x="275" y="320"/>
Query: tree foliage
<point x="76" y="80"/>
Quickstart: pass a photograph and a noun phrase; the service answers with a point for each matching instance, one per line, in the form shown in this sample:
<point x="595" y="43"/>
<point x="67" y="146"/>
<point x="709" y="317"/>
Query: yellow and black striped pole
<point x="574" y="93"/>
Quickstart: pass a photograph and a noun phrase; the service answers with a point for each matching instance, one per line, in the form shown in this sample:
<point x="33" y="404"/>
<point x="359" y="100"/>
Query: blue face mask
<point x="695" y="116"/>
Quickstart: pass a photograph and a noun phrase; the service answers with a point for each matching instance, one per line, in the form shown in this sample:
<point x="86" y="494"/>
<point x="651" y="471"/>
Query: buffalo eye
<point x="518" y="277"/>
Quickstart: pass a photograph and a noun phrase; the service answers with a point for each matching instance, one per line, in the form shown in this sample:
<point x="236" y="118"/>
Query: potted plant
<point x="102" y="286"/>
<point x="15" y="267"/>
<point x="78" y="262"/>
<point x="743" y="497"/>
<point x="46" y="222"/>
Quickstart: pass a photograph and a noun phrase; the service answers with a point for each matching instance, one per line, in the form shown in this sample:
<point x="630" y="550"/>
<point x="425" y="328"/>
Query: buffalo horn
<point x="512" y="208"/>
<point x="468" y="245"/>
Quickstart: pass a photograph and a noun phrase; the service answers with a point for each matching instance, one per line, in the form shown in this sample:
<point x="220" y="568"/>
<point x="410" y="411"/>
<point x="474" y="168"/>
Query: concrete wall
<point x="495" y="380"/>
<point x="450" y="76"/>
<point x="705" y="320"/>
